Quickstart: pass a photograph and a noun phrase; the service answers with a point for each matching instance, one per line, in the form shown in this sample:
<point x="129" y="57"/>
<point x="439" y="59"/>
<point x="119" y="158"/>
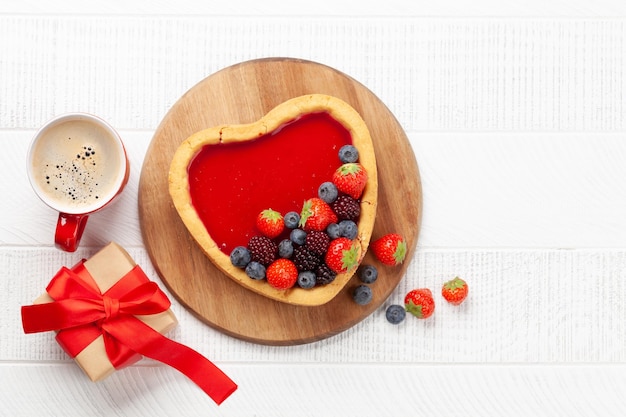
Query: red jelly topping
<point x="230" y="184"/>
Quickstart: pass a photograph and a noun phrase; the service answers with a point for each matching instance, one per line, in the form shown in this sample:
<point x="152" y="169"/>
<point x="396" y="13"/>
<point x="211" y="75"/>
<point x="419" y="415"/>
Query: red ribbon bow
<point x="81" y="314"/>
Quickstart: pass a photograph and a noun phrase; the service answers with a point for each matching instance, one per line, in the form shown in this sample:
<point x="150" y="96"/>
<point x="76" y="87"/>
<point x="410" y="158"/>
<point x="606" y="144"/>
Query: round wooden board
<point x="242" y="94"/>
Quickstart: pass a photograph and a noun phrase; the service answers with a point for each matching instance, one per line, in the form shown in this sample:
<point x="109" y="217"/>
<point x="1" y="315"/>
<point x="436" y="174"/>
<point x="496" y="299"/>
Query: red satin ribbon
<point x="81" y="314"/>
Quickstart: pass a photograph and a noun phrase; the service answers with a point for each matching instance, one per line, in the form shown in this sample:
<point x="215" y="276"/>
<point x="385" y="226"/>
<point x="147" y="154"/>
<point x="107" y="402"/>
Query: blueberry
<point x="291" y="220"/>
<point x="362" y="295"/>
<point x="348" y="229"/>
<point x="285" y="248"/>
<point x="306" y="279"/>
<point x="395" y="314"/>
<point x="255" y="270"/>
<point x="298" y="236"/>
<point x="334" y="231"/>
<point x="367" y="274"/>
<point x="328" y="192"/>
<point x="348" y="153"/>
<point x="240" y="257"/>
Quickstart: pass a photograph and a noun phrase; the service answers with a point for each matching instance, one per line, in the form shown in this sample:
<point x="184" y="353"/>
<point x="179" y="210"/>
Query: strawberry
<point x="281" y="274"/>
<point x="390" y="249"/>
<point x="316" y="215"/>
<point x="350" y="179"/>
<point x="342" y="255"/>
<point x="420" y="303"/>
<point x="270" y="223"/>
<point x="454" y="291"/>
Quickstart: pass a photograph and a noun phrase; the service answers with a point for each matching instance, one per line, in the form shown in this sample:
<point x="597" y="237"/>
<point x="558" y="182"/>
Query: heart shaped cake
<point x="306" y="169"/>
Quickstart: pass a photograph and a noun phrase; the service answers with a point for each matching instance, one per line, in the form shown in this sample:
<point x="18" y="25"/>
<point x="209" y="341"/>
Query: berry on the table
<point x="395" y="314"/>
<point x="351" y="179"/>
<point x="362" y="295"/>
<point x="304" y="259"/>
<point x="317" y="242"/>
<point x="270" y="223"/>
<point x="390" y="249"/>
<point x="285" y="248"/>
<point x="346" y="208"/>
<point x="281" y="274"/>
<point x="306" y="279"/>
<point x="324" y="275"/>
<point x="420" y="303"/>
<point x="291" y="220"/>
<point x="327" y="191"/>
<point x="298" y="236"/>
<point x="255" y="270"/>
<point x="262" y="249"/>
<point x="348" y="229"/>
<point x="348" y="153"/>
<point x="334" y="231"/>
<point x="368" y="274"/>
<point x="342" y="255"/>
<point x="240" y="257"/>
<point x="455" y="291"/>
<point x="316" y="215"/>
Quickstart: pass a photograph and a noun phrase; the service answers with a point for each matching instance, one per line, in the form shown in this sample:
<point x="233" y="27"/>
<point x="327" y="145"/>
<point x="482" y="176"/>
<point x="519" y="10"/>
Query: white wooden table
<point x="516" y="114"/>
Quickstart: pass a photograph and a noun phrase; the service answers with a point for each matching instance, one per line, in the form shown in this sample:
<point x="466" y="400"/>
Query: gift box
<point x="106" y="267"/>
<point x="108" y="315"/>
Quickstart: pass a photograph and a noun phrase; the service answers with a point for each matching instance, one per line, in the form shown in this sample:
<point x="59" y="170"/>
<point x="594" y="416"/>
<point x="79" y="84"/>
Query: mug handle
<point x="69" y="230"/>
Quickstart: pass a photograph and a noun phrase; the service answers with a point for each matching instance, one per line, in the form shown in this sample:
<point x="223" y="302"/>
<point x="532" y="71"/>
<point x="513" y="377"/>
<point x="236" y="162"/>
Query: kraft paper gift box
<point x="108" y="313"/>
<point x="107" y="267"/>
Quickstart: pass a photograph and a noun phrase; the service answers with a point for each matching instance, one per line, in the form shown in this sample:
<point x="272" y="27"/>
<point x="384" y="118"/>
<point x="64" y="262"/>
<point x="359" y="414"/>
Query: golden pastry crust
<point x="281" y="114"/>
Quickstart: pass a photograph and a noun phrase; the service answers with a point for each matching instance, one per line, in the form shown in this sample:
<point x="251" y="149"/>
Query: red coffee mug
<point x="77" y="165"/>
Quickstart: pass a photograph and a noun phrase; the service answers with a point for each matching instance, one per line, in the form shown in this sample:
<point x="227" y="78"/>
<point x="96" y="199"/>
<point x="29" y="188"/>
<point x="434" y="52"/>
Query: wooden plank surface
<point x="326" y="8"/>
<point x="435" y="74"/>
<point x="500" y="190"/>
<point x="518" y="125"/>
<point x="325" y="390"/>
<point x="525" y="307"/>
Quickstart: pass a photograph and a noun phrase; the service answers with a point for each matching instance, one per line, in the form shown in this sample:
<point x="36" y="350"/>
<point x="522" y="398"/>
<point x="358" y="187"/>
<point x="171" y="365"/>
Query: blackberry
<point x="317" y="242"/>
<point x="304" y="259"/>
<point x="346" y="208"/>
<point x="262" y="249"/>
<point x="324" y="275"/>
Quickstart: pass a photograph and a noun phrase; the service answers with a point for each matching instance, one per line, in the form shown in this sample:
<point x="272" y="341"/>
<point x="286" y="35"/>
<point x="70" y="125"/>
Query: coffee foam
<point x="76" y="164"/>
